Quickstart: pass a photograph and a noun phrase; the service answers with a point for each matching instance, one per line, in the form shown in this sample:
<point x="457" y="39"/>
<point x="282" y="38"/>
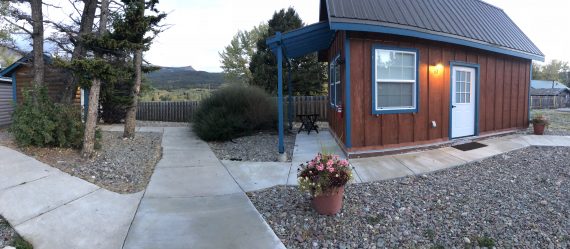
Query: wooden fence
<point x="549" y="102"/>
<point x="184" y="111"/>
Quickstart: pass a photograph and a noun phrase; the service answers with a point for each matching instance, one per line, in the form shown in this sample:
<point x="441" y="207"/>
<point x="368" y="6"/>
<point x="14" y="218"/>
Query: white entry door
<point x="463" y="102"/>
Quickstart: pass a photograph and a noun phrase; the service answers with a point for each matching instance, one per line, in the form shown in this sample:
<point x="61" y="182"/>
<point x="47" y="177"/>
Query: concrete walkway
<point x="52" y="209"/>
<point x="253" y="176"/>
<point x="192" y="201"/>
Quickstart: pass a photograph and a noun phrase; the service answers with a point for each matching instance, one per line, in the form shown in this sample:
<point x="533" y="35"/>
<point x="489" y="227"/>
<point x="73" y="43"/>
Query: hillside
<point x="184" y="77"/>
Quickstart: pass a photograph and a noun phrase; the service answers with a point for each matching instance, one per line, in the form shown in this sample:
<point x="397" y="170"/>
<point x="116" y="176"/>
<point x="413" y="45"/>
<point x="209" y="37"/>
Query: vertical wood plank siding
<point x="503" y="102"/>
<point x="55" y="81"/>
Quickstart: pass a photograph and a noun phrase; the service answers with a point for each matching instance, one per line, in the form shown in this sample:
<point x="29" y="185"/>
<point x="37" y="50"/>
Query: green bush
<point x="42" y="123"/>
<point x="235" y="111"/>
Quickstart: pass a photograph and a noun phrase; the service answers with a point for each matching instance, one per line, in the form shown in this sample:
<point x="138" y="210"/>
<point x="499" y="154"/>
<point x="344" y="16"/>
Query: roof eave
<point x="395" y="29"/>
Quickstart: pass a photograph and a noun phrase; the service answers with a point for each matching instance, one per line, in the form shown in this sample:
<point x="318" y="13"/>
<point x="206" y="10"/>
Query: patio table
<point x="308" y="123"/>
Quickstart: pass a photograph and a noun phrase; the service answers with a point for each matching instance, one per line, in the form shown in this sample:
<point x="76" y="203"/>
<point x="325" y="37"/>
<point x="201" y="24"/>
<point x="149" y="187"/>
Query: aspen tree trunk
<point x="130" y="121"/>
<point x="38" y="41"/>
<point x="85" y="27"/>
<point x="93" y="108"/>
<point x="131" y="118"/>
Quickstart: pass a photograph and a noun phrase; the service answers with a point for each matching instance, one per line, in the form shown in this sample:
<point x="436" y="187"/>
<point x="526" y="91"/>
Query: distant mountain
<point x="184" y="77"/>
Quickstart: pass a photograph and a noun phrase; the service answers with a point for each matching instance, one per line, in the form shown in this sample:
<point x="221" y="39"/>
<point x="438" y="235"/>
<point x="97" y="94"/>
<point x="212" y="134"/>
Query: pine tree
<point x="307" y="74"/>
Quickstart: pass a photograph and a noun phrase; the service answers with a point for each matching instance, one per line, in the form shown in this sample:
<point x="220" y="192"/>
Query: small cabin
<point x="21" y="73"/>
<point x="412" y="73"/>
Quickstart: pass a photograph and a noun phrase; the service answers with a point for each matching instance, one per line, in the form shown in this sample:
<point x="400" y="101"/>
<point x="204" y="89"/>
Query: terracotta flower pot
<point x="538" y="129"/>
<point x="329" y="203"/>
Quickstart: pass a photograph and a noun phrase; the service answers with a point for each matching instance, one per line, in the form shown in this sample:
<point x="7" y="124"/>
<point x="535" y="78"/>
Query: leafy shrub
<point x="235" y="111"/>
<point x="42" y="123"/>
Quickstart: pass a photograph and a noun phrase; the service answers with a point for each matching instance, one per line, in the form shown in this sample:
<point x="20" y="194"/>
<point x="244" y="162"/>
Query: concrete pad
<point x="558" y="140"/>
<point x="536" y="140"/>
<point x="427" y="161"/>
<point x="380" y="168"/>
<point x="191" y="182"/>
<point x="151" y="129"/>
<point x="188" y="158"/>
<point x="26" y="170"/>
<point x="27" y="201"/>
<point x="472" y="155"/>
<point x="252" y="176"/>
<point x="182" y="141"/>
<point x="228" y="221"/>
<point x="98" y="220"/>
<point x="506" y="144"/>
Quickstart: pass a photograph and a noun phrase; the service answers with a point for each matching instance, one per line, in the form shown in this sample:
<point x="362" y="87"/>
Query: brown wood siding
<point x="55" y="81"/>
<point x="337" y="124"/>
<point x="503" y="103"/>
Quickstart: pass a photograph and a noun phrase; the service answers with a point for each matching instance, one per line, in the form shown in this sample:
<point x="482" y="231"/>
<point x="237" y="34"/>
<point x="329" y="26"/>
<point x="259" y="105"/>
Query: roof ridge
<point x="489" y="4"/>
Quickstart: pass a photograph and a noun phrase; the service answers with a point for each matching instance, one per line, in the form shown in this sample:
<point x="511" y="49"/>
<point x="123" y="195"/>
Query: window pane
<point x="337" y="73"/>
<point x="468" y="100"/>
<point x="394" y="94"/>
<point x="468" y="76"/>
<point x="408" y="60"/>
<point x="467" y="88"/>
<point x="338" y="94"/>
<point x="408" y="73"/>
<point x="457" y="98"/>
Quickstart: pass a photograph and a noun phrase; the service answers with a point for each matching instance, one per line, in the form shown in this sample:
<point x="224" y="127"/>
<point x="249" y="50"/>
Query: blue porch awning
<point x="302" y="41"/>
<point x="293" y="44"/>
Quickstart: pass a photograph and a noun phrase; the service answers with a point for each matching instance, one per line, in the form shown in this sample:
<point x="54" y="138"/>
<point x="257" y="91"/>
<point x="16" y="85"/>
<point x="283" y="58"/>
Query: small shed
<point x="6" y="103"/>
<point x="21" y="73"/>
<point x="411" y="73"/>
<point x="550" y="98"/>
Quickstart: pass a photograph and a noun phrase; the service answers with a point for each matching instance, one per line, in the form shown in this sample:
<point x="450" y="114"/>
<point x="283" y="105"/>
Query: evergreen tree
<point x="307" y="74"/>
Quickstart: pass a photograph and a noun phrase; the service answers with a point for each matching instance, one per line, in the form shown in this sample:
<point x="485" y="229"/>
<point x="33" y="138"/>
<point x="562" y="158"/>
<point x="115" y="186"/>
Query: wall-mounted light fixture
<point x="437" y="69"/>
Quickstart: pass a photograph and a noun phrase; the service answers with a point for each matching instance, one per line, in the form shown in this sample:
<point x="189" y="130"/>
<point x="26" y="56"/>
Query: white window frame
<point x="334" y="82"/>
<point x="399" y="109"/>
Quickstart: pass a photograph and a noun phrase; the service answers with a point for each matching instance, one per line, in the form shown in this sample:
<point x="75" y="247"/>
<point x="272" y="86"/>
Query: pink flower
<point x="320" y="167"/>
<point x="344" y="163"/>
<point x="330" y="163"/>
<point x="330" y="169"/>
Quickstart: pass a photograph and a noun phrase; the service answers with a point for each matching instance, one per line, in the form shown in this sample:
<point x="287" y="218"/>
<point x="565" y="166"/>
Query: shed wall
<point x="337" y="122"/>
<point x="55" y="80"/>
<point x="6" y="104"/>
<point x="503" y="105"/>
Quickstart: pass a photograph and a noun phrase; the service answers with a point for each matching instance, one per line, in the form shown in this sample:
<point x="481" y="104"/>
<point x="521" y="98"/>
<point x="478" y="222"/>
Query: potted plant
<point x="324" y="178"/>
<point x="539" y="122"/>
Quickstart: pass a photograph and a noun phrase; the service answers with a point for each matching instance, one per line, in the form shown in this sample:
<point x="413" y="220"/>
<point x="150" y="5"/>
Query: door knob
<point x="453" y="106"/>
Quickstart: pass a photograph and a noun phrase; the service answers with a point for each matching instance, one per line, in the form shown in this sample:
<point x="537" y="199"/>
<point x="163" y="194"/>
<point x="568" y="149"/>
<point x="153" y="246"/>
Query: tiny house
<point x="411" y="73"/>
<point x="55" y="79"/>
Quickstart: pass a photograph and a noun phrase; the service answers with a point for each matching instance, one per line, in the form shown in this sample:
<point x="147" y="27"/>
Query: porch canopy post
<point x="293" y="44"/>
<point x="280" y="94"/>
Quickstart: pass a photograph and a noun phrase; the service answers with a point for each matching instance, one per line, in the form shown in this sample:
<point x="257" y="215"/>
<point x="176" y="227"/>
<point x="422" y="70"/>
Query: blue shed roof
<point x="7" y="72"/>
<point x="546" y="84"/>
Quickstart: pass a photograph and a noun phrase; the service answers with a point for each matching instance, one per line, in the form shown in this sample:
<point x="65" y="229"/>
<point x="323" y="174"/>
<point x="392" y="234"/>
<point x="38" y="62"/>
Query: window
<point x="395" y="80"/>
<point x="463" y="87"/>
<point x="335" y="89"/>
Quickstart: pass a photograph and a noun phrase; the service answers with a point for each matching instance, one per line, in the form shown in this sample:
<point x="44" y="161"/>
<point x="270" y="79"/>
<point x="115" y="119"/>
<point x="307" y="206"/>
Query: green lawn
<point x="559" y="121"/>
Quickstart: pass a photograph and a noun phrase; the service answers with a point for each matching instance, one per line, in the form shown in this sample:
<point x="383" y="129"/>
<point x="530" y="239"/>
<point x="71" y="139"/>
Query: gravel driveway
<point x="520" y="199"/>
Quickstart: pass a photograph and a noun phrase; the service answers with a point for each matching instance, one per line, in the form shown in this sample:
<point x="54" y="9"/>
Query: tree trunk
<point x="130" y="120"/>
<point x="94" y="91"/>
<point x="85" y="27"/>
<point x="91" y="122"/>
<point x="38" y="41"/>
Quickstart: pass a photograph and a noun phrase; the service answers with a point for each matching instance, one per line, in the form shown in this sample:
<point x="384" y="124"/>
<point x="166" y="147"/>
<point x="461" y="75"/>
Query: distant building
<point x="549" y="94"/>
<point x="546" y="84"/>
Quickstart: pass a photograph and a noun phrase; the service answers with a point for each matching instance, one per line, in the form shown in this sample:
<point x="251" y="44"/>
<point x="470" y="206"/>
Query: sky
<point x="200" y="29"/>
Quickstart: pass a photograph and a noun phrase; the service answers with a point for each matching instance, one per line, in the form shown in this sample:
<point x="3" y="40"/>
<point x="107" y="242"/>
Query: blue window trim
<point x="14" y="90"/>
<point x="434" y="37"/>
<point x="374" y="94"/>
<point x="332" y="65"/>
<point x="477" y="68"/>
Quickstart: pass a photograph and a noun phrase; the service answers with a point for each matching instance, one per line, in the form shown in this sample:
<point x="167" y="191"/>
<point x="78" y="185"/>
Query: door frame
<point x="475" y="66"/>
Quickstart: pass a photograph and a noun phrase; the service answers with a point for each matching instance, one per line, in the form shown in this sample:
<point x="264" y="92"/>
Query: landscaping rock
<point x="476" y="204"/>
<point x="261" y="147"/>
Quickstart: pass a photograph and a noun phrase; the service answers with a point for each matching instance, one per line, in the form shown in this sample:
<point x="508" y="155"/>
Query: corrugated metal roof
<point x="469" y="19"/>
<point x="546" y="84"/>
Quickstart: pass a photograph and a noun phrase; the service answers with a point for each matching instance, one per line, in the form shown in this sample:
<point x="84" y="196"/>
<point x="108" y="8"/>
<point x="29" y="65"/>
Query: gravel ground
<point x="7" y="234"/>
<point x="516" y="200"/>
<point x="160" y="124"/>
<point x="261" y="147"/>
<point x="9" y="237"/>
<point x="122" y="166"/>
